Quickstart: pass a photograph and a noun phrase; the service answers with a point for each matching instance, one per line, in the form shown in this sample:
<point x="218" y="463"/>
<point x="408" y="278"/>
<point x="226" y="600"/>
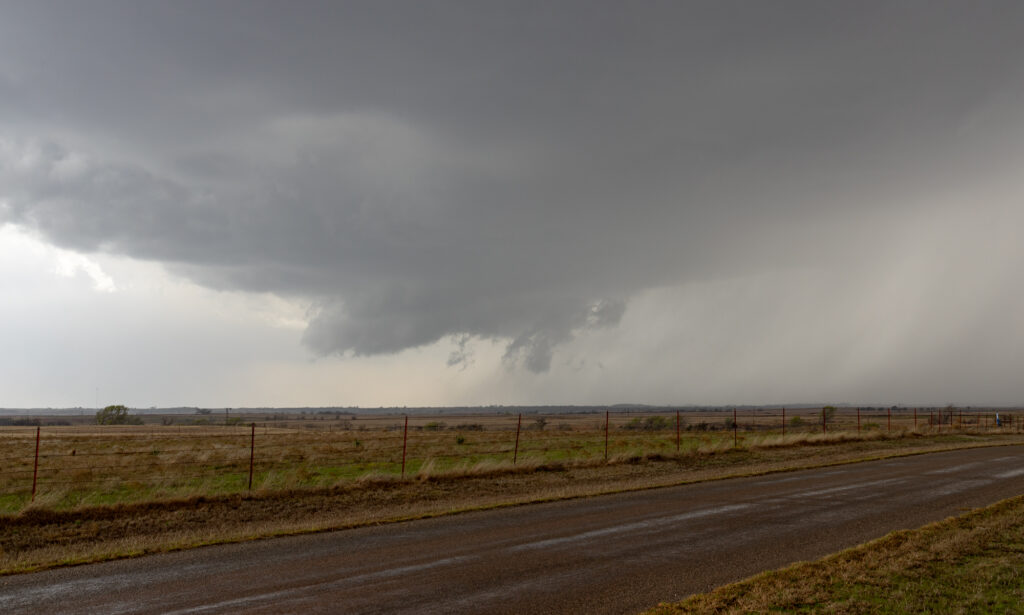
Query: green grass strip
<point x="973" y="563"/>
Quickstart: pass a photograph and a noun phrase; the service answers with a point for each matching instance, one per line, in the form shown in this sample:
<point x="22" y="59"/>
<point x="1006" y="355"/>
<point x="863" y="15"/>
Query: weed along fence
<point x="72" y="465"/>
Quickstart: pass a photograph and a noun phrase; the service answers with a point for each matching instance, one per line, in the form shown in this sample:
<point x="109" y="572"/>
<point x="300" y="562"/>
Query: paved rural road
<point x="609" y="554"/>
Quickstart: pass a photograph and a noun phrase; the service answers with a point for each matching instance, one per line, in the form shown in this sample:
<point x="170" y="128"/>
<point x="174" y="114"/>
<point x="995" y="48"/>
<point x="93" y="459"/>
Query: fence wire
<point x="70" y="462"/>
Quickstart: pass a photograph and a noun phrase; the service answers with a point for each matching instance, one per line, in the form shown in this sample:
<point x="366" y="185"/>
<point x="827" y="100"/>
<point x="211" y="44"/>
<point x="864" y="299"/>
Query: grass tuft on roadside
<point x="973" y="563"/>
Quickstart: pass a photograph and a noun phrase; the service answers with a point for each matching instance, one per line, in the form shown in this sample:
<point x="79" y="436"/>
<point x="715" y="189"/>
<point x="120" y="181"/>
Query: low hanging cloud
<point x="510" y="171"/>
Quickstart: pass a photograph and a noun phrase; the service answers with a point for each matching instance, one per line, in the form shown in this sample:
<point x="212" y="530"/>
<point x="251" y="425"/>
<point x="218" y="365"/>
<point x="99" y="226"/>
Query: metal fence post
<point x="405" y="443"/>
<point x="735" y="430"/>
<point x="606" y="435"/>
<point x="519" y="426"/>
<point x="824" y="430"/>
<point x="35" y="466"/>
<point x="889" y="419"/>
<point x="252" y="452"/>
<point x="858" y="421"/>
<point x="677" y="431"/>
<point x="783" y="422"/>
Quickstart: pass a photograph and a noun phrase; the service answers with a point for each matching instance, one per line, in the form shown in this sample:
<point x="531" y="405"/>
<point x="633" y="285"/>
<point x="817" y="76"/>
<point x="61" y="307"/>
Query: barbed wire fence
<point x="111" y="464"/>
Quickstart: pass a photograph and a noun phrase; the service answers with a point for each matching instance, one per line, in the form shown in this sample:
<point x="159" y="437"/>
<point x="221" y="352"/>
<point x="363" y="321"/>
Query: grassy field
<point x="185" y="456"/>
<point x="41" y="535"/>
<point x="968" y="564"/>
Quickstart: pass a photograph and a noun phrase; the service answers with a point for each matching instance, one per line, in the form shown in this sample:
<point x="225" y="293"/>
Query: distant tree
<point x="116" y="415"/>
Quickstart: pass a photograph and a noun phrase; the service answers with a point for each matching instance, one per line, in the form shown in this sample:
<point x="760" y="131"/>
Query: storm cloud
<point x="514" y="171"/>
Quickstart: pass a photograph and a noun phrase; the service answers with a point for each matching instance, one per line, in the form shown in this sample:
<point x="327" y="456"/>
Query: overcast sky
<point x="430" y="203"/>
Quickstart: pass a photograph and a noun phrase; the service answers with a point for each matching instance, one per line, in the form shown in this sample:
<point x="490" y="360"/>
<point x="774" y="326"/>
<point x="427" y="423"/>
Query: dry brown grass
<point x="87" y="465"/>
<point x="40" y="536"/>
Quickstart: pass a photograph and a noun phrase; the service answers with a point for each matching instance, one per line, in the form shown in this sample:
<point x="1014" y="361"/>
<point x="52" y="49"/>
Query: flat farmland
<point x="64" y="467"/>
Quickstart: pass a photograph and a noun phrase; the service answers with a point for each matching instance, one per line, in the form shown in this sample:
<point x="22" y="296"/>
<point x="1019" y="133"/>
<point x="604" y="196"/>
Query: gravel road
<point x="609" y="554"/>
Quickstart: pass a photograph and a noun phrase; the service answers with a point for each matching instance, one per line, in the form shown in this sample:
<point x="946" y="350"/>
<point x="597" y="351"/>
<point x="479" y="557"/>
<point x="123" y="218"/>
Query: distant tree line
<point x="30" y="422"/>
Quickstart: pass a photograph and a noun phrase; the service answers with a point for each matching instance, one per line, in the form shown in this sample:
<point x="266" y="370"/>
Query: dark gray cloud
<point x="508" y="170"/>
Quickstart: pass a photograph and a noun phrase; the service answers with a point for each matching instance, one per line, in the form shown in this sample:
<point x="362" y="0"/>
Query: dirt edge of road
<point x="38" y="539"/>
